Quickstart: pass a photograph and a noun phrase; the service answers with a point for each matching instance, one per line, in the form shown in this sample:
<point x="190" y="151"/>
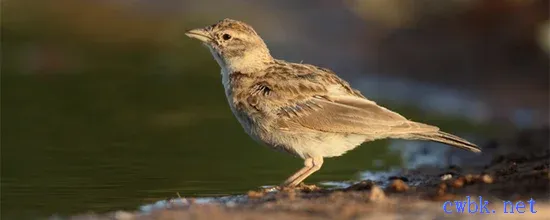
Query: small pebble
<point x="446" y="177"/>
<point x="458" y="183"/>
<point x="487" y="179"/>
<point x="469" y="178"/>
<point x="376" y="194"/>
<point x="399" y="186"/>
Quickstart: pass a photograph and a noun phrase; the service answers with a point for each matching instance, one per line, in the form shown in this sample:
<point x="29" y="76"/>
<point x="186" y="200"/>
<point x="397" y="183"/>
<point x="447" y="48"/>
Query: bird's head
<point x="234" y="44"/>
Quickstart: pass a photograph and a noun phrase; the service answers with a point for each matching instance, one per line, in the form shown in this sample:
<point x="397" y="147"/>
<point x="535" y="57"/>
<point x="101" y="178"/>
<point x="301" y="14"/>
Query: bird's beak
<point x="199" y="34"/>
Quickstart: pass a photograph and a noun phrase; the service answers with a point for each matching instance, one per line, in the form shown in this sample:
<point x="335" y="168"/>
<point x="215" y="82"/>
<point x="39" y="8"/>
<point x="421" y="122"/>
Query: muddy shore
<point x="518" y="170"/>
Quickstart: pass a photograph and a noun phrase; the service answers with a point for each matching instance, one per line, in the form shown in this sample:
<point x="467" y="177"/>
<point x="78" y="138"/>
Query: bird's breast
<point x="235" y="104"/>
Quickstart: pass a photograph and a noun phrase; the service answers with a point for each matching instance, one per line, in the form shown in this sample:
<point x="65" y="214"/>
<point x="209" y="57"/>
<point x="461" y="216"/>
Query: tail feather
<point x="449" y="139"/>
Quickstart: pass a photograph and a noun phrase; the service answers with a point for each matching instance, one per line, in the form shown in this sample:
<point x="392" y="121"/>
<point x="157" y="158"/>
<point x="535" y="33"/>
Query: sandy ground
<point x="518" y="171"/>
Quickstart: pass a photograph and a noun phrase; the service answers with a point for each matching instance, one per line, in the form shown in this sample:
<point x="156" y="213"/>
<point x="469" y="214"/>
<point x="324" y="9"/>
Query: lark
<point x="302" y="109"/>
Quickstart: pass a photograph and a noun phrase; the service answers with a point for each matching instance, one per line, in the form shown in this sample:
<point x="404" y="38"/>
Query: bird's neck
<point x="251" y="62"/>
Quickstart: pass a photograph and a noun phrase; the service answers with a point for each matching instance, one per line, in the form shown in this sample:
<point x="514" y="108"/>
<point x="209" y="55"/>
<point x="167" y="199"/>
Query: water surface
<point x="73" y="143"/>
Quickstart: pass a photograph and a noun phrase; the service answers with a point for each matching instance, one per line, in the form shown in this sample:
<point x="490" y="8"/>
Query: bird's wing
<point x="322" y="101"/>
<point x="346" y="114"/>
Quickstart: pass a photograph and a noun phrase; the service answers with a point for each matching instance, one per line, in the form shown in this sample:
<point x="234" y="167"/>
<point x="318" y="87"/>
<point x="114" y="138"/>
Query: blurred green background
<point x="106" y="105"/>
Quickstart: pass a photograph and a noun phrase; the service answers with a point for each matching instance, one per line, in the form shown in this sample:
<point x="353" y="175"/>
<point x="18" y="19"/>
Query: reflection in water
<point x="415" y="154"/>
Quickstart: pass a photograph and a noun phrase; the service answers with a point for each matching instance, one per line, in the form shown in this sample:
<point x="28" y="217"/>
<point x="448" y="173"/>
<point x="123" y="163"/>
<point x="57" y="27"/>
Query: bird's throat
<point x="249" y="62"/>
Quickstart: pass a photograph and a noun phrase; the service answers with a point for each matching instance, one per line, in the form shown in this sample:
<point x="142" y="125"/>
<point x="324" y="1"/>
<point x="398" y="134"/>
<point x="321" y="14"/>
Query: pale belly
<point x="316" y="144"/>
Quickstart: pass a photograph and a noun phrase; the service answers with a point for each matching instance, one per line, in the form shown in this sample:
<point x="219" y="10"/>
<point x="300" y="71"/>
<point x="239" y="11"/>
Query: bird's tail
<point x="449" y="139"/>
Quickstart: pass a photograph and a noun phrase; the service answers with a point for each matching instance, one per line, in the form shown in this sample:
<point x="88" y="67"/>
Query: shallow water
<point x="79" y="143"/>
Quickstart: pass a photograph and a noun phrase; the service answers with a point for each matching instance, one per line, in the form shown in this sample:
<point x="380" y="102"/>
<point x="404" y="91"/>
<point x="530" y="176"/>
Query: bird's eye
<point x="226" y="36"/>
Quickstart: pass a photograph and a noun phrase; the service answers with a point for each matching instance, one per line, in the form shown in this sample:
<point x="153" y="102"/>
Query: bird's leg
<point x="308" y="164"/>
<point x="317" y="163"/>
<point x="311" y="164"/>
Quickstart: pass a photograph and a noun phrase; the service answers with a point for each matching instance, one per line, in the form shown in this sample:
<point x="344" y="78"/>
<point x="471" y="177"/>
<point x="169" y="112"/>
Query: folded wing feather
<point x="349" y="114"/>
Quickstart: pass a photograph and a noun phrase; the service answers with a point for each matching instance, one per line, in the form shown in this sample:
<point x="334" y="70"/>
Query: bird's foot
<point x="300" y="187"/>
<point x="308" y="188"/>
<point x="263" y="191"/>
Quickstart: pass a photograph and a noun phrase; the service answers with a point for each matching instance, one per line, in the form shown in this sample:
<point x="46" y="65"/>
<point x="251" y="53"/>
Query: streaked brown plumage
<point x="305" y="110"/>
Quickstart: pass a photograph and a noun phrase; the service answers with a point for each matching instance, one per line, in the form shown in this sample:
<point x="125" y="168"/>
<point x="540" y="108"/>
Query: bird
<point x="301" y="109"/>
